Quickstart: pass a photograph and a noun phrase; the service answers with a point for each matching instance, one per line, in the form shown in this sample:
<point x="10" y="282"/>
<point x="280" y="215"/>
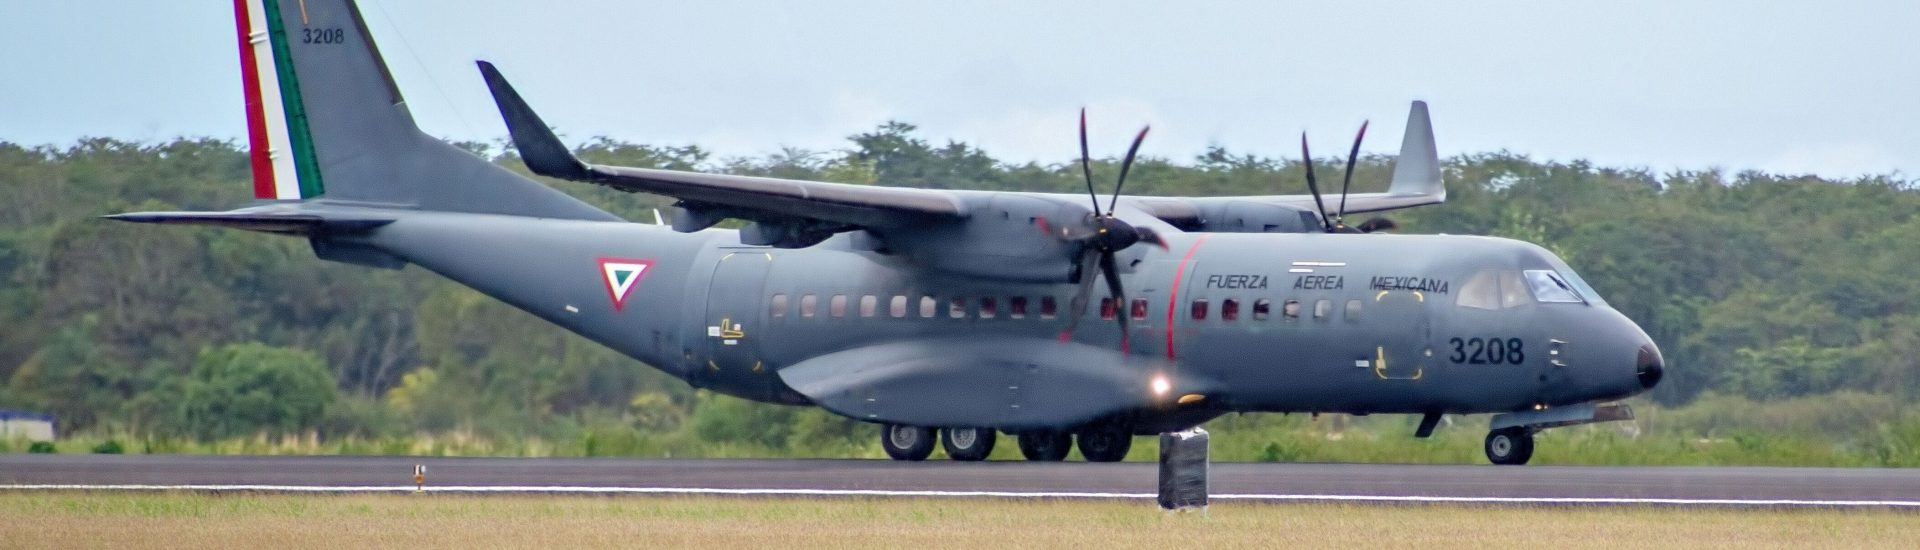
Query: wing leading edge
<point x="738" y="196"/>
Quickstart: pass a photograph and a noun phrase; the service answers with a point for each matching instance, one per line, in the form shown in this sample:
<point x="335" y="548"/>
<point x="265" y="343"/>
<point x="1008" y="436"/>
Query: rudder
<point x="325" y="120"/>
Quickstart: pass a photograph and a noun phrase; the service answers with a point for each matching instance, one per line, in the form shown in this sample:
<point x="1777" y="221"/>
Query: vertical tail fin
<point x="325" y="120"/>
<point x="1417" y="172"/>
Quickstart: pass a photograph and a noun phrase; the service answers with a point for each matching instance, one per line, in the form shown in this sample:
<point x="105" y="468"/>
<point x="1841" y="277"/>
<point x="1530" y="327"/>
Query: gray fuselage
<point x="1281" y="322"/>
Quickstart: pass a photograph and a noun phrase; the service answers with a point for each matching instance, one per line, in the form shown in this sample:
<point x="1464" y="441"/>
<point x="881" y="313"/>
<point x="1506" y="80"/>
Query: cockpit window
<point x="1481" y="291"/>
<point x="1549" y="287"/>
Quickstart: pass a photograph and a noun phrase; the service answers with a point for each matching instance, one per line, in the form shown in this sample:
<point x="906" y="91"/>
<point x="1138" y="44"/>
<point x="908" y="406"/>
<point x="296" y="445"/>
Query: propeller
<point x="1104" y="235"/>
<point x="1337" y="222"/>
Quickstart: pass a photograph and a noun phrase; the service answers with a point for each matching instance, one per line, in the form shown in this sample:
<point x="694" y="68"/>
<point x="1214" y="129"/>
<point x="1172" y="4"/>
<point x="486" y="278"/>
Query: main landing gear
<point x="1510" y="446"/>
<point x="1104" y="441"/>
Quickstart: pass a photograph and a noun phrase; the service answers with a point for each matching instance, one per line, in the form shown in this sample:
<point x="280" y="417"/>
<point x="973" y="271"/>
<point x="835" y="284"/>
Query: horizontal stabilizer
<point x="265" y="221"/>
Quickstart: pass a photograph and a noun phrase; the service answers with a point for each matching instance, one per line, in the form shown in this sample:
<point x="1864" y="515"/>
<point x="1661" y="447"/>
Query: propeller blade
<point x="1079" y="304"/>
<point x="1341" y="215"/>
<point x="1153" y="237"/>
<point x="1086" y="163"/>
<point x="1124" y="166"/>
<point x="1121" y="310"/>
<point x="1312" y="187"/>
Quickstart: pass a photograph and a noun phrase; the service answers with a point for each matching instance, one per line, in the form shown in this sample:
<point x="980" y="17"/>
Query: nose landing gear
<point x="1510" y="446"/>
<point x="1510" y="442"/>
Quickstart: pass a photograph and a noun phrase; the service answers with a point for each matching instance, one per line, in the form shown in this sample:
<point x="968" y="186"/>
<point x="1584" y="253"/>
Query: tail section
<point x="325" y="121"/>
<point x="1417" y="172"/>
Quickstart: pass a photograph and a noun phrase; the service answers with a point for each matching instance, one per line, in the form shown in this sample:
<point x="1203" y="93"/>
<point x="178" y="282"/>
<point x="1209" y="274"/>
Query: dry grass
<point x="185" y="520"/>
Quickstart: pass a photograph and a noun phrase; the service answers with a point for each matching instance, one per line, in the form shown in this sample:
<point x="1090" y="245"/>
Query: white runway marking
<point x="991" y="494"/>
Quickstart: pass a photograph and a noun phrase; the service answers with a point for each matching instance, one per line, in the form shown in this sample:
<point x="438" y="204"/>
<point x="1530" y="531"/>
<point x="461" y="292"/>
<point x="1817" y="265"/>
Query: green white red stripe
<point x="282" y="157"/>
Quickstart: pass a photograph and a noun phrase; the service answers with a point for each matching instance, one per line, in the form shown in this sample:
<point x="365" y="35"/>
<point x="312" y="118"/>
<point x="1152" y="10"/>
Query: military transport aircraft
<point x="940" y="314"/>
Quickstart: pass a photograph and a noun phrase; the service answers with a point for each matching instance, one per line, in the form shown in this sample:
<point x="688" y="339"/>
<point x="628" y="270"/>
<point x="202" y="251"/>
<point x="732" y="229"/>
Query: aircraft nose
<point x="1649" y="366"/>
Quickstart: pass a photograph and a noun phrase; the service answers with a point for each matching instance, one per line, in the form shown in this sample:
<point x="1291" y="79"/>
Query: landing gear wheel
<point x="1105" y="441"/>
<point x="1509" y="446"/>
<point x="968" y="444"/>
<point x="1045" y="446"/>
<point x="912" y="443"/>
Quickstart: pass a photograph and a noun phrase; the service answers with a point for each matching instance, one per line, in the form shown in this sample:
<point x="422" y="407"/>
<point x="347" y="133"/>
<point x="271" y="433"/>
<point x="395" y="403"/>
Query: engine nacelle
<point x="1254" y="217"/>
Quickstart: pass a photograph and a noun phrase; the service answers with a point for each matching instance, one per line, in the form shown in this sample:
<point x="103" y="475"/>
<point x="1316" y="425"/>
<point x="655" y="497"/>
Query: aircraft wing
<point x="999" y="382"/>
<point x="733" y="196"/>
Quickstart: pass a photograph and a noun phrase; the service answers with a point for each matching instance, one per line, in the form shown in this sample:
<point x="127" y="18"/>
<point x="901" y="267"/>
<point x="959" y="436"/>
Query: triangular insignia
<point x="620" y="276"/>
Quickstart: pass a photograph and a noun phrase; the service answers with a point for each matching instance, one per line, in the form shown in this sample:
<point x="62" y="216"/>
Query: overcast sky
<point x="1821" y="87"/>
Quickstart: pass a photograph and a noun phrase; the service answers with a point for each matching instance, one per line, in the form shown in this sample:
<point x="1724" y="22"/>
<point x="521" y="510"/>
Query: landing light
<point x="1161" y="386"/>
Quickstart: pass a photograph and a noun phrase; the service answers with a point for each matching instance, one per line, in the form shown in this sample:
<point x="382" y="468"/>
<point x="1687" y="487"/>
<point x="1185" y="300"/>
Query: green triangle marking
<point x="620" y="276"/>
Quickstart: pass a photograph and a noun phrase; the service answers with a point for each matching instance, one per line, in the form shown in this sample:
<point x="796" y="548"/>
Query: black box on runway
<point x="1183" y="469"/>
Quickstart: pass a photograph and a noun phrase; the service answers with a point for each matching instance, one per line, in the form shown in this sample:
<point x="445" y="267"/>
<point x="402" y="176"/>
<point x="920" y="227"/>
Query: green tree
<point x="250" y="388"/>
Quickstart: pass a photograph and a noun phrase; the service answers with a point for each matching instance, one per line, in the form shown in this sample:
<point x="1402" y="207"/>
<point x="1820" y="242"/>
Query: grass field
<point x="191" y="520"/>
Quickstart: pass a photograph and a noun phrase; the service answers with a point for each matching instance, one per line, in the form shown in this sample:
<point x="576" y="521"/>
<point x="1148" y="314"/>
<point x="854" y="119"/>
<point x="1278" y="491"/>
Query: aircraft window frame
<point x="929" y="307"/>
<point x="1353" y="310"/>
<point x="837" y="306"/>
<point x="1322" y="309"/>
<point x="1262" y="309"/>
<point x="1290" y="310"/>
<point x="809" y="305"/>
<point x="957" y="307"/>
<point x="1197" y="309"/>
<point x="1049" y="307"/>
<point x="1109" y="310"/>
<point x="777" y="306"/>
<point x="869" y="306"/>
<point x="1017" y="307"/>
<point x="1229" y="310"/>
<point x="1138" y="309"/>
<point x="897" y="306"/>
<point x="1547" y="286"/>
<point x="989" y="307"/>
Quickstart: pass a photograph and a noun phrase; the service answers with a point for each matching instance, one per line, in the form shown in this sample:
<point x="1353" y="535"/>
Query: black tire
<point x="1510" y="446"/>
<point x="968" y="444"/>
<point x="1046" y="445"/>
<point x="1105" y="441"/>
<point x="910" y="443"/>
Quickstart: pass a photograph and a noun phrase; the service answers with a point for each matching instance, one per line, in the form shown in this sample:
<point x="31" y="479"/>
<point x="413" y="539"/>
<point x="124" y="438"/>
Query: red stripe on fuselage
<point x="257" y="144"/>
<point x="1173" y="294"/>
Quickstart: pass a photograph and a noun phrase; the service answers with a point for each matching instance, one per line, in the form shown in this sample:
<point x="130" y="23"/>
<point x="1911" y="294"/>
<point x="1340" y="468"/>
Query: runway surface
<point x="1362" y="482"/>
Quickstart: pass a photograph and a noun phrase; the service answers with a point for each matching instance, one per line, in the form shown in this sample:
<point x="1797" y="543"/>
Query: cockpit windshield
<point x="1549" y="287"/>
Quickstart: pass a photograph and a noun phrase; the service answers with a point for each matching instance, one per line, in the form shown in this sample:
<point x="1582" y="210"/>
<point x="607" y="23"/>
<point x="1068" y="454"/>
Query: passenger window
<point x="778" y="306"/>
<point x="1261" y="309"/>
<point x="897" y="307"/>
<point x="988" y="308"/>
<point x="1198" y="309"/>
<point x="808" y="305"/>
<point x="1048" y="308"/>
<point x="1481" y="291"/>
<point x="1229" y="310"/>
<point x="1322" y="309"/>
<point x="838" y="307"/>
<point x="928" y="307"/>
<point x="957" y="308"/>
<point x="1017" y="307"/>
<point x="1108" y="309"/>
<point x="1513" y="291"/>
<point x="1353" y="310"/>
<point x="869" y="305"/>
<point x="1139" y="309"/>
<point x="1290" y="310"/>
